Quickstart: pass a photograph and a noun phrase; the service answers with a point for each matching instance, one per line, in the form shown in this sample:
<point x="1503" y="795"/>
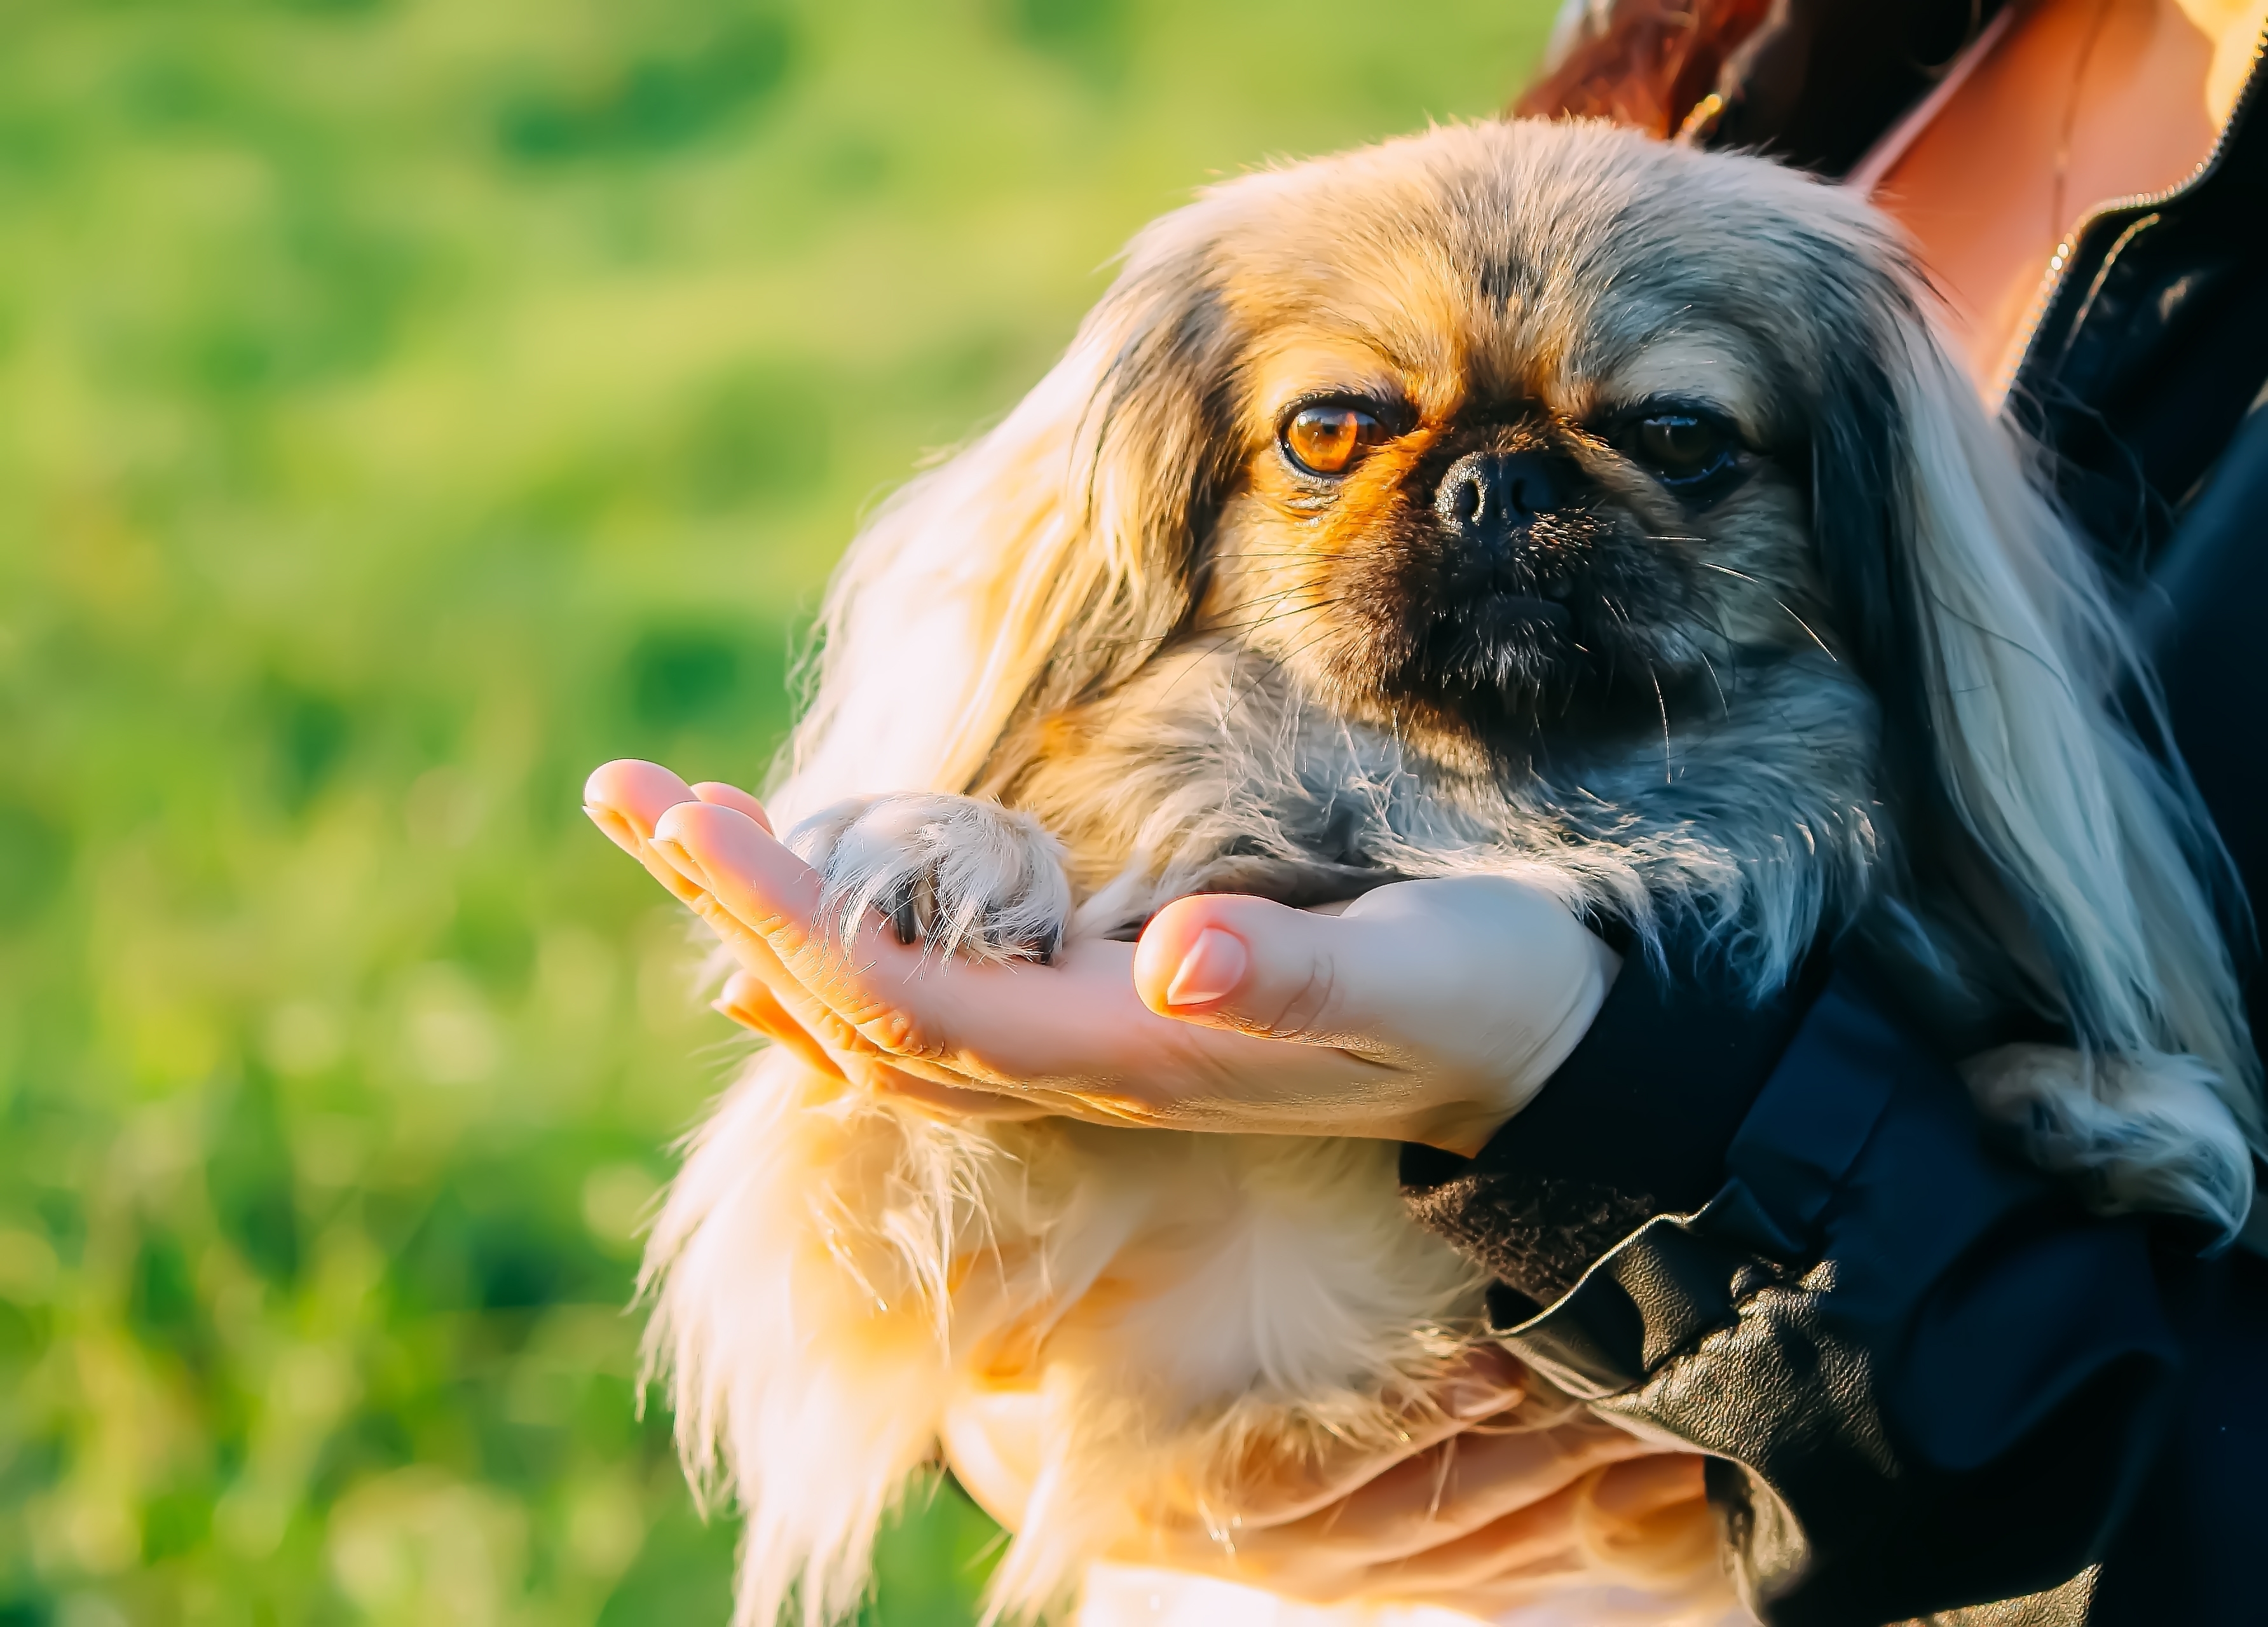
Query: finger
<point x="723" y="796"/>
<point x="871" y="982"/>
<point x="638" y="792"/>
<point x="1643" y="1487"/>
<point x="1473" y="988"/>
<point x="772" y="893"/>
<point x="1532" y="1536"/>
<point x="630" y="800"/>
<point x="1440" y="1496"/>
<point x="1652" y="1514"/>
<point x="1244" y="964"/>
<point x="739" y="862"/>
<point x="1543" y="1536"/>
<point x="727" y="846"/>
<point x="750" y="1001"/>
<point x="1662" y="1526"/>
<point x="1261" y="967"/>
<point x="959" y="1103"/>
<point x="624" y="799"/>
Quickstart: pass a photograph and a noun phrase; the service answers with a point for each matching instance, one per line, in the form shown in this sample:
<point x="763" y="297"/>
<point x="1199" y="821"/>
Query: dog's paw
<point x="954" y="873"/>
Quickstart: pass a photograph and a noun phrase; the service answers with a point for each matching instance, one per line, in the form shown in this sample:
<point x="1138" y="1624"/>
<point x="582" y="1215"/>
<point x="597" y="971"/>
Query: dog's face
<point x="1521" y="430"/>
<point x="1487" y="542"/>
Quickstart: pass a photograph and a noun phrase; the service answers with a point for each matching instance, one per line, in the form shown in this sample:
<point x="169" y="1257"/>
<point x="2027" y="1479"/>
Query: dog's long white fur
<point x="831" y="1276"/>
<point x="2028" y="654"/>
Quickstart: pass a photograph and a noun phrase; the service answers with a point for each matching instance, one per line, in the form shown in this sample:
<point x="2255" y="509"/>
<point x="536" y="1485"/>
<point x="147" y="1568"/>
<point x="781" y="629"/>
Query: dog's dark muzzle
<point x="1504" y="558"/>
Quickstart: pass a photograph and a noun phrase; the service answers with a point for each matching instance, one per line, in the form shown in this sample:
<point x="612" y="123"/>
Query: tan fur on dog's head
<point x="1477" y="288"/>
<point x="1515" y="328"/>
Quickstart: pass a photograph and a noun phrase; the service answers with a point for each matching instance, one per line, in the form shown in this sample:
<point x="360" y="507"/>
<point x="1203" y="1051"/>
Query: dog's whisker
<point x="1805" y="625"/>
<point x="1776" y="598"/>
<point x="1661" y="704"/>
<point x="1225" y="628"/>
<point x="1273" y="617"/>
<point x="1275" y="663"/>
<point x="1710" y="564"/>
<point x="1724" y="707"/>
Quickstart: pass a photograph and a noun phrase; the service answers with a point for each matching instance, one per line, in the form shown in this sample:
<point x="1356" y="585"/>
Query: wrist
<point x="1597" y="969"/>
<point x="1466" y="1125"/>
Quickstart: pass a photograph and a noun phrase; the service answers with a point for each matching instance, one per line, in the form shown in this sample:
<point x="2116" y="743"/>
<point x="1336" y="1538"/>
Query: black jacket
<point x="1931" y="1384"/>
<point x="1928" y="1378"/>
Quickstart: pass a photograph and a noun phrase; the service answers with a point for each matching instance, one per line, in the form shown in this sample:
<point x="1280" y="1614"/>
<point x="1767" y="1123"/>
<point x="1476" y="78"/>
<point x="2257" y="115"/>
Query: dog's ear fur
<point x="1045" y="561"/>
<point x="1984" y="625"/>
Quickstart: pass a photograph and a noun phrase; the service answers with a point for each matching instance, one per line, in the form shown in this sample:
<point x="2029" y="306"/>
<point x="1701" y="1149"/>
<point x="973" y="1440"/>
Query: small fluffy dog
<point x="1524" y="497"/>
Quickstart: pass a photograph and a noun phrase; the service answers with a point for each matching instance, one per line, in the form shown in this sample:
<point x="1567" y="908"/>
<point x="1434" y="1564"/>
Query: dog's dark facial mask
<point x="1505" y="488"/>
<point x="1534" y="576"/>
<point x="1504" y="573"/>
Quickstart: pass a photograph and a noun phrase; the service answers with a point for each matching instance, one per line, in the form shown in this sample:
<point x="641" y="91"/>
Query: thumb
<point x="1488" y="970"/>
<point x="1229" y="961"/>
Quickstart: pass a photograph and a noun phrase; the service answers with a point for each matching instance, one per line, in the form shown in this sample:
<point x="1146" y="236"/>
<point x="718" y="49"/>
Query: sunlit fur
<point x="1867" y="692"/>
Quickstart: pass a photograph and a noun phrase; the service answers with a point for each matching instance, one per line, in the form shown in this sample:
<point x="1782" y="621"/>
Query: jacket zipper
<point x="2060" y="262"/>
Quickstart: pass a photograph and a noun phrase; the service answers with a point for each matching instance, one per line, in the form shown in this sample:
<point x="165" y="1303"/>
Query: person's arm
<point x="1924" y="1376"/>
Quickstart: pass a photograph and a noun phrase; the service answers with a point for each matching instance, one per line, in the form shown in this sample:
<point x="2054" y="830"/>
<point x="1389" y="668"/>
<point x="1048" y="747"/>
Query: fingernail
<point x="1214" y="965"/>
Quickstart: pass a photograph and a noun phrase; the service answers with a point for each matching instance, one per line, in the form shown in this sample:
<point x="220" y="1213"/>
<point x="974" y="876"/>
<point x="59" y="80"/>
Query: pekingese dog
<point x="1529" y="497"/>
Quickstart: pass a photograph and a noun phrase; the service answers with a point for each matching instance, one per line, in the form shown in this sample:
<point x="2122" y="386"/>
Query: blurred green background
<point x="404" y="406"/>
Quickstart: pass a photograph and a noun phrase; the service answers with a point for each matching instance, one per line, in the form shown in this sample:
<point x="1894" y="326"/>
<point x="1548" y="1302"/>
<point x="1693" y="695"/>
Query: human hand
<point x="1427" y="1011"/>
<point x="1489" y="1498"/>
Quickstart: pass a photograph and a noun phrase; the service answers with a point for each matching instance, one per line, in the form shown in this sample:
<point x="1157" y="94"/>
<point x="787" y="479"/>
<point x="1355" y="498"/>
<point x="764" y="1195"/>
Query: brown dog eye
<point x="1681" y="449"/>
<point x="1328" y="439"/>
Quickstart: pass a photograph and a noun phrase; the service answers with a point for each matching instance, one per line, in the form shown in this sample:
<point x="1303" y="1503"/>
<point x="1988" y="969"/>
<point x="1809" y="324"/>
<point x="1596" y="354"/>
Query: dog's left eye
<point x="1681" y="448"/>
<point x="1331" y="436"/>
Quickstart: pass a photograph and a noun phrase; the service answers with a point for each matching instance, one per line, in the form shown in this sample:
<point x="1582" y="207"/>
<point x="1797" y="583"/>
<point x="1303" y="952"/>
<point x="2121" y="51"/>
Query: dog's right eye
<point x="1331" y="436"/>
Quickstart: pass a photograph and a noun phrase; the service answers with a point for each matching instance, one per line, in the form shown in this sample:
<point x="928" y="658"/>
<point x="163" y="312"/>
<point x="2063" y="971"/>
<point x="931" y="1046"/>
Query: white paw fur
<point x="957" y="874"/>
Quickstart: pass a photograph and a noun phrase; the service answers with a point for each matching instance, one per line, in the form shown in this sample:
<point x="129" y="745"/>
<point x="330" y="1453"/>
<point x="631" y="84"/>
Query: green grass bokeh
<point x="404" y="407"/>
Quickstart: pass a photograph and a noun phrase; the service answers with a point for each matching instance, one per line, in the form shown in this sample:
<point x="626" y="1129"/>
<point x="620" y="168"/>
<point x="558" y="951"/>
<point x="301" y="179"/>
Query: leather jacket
<point x="1932" y="1387"/>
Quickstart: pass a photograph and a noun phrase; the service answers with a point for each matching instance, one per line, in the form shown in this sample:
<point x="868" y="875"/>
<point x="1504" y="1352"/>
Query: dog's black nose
<point x="1491" y="494"/>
